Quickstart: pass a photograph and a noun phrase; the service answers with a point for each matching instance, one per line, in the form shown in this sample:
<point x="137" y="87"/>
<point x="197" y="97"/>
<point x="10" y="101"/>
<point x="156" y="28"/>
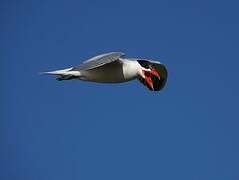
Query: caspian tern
<point x="113" y="68"/>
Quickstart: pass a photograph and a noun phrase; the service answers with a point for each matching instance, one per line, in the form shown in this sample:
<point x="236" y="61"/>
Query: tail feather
<point x="58" y="72"/>
<point x="64" y="74"/>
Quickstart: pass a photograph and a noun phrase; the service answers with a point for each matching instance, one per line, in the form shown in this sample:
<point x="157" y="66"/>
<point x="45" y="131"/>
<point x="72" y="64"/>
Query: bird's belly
<point x="109" y="73"/>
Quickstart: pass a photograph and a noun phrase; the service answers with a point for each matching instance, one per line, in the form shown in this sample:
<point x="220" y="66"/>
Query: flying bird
<point x="114" y="68"/>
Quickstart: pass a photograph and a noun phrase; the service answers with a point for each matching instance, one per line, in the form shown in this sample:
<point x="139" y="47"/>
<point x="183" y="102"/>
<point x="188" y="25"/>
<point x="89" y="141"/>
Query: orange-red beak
<point x="148" y="78"/>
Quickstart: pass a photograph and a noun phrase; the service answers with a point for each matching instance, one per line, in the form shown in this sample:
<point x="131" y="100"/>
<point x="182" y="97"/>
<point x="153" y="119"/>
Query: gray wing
<point x="98" y="61"/>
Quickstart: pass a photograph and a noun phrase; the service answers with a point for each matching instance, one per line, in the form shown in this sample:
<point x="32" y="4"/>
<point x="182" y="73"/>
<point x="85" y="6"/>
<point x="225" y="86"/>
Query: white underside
<point x="116" y="72"/>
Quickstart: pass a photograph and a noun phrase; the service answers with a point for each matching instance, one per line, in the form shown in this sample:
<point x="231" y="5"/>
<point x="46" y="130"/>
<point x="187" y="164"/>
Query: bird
<point x="113" y="67"/>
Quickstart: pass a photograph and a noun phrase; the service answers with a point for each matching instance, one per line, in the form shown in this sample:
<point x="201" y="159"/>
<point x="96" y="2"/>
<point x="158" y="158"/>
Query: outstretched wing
<point x="160" y="68"/>
<point x="99" y="60"/>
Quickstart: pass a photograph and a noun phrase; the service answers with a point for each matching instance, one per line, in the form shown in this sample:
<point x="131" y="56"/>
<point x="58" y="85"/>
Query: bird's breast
<point x="130" y="69"/>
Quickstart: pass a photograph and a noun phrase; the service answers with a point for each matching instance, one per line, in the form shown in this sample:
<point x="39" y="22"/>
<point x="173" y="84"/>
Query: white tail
<point x="59" y="72"/>
<point x="65" y="74"/>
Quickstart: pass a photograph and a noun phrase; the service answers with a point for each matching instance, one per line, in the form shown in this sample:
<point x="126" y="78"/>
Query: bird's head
<point x="152" y="74"/>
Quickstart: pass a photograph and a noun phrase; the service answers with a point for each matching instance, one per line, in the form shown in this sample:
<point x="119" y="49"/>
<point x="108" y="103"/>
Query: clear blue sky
<point x="78" y="130"/>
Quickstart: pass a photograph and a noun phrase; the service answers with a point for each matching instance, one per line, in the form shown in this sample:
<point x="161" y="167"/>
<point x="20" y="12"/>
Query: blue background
<point x="79" y="130"/>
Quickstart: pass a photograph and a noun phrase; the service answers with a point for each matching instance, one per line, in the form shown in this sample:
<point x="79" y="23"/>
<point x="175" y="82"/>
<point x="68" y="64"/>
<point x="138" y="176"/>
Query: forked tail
<point x="64" y="74"/>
